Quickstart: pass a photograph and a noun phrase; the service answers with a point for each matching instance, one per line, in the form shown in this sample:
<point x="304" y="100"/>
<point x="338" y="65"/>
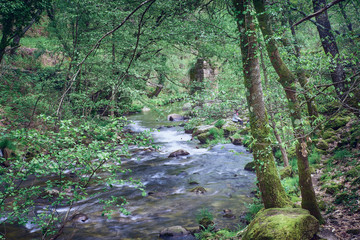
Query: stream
<point x="167" y="181"/>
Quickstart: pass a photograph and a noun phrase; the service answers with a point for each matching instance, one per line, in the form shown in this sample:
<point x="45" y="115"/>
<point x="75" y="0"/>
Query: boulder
<point x="236" y="139"/>
<point x="203" y="137"/>
<point x="286" y="172"/>
<point x="180" y="152"/>
<point x="322" y="145"/>
<point x="175" y="117"/>
<point x="338" y="122"/>
<point x="174" y="231"/>
<point x="282" y="223"/>
<point x="250" y="166"/>
<point x="186" y="107"/>
<point x="230" y="128"/>
<point x="202" y="129"/>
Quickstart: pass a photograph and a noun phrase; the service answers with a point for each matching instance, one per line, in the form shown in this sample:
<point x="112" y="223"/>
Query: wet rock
<point x="145" y="109"/>
<point x="250" y="167"/>
<point x="204" y="137"/>
<point x="228" y="214"/>
<point x="175" y="117"/>
<point x="174" y="231"/>
<point x="236" y="139"/>
<point x="180" y="152"/>
<point x="282" y="223"/>
<point x="199" y="190"/>
<point x="202" y="129"/>
<point x="206" y="224"/>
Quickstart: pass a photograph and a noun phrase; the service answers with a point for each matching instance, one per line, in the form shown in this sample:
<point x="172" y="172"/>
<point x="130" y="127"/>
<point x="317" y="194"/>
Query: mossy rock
<point x="229" y="128"/>
<point x="286" y="172"/>
<point x="175" y="231"/>
<point x="282" y="223"/>
<point x="329" y="133"/>
<point x="206" y="223"/>
<point x="322" y="145"/>
<point x="204" y="137"/>
<point x="352" y="173"/>
<point x="334" y="188"/>
<point x="322" y="205"/>
<point x="236" y="139"/>
<point x="338" y="122"/>
<point x="202" y="129"/>
<point x="250" y="166"/>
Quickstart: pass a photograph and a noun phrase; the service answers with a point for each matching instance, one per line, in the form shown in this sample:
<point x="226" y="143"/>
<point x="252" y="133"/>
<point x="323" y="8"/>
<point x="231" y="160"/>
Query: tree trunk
<point x="328" y="42"/>
<point x="271" y="114"/>
<point x="272" y="193"/>
<point x="6" y="34"/>
<point x="303" y="80"/>
<point x="288" y="81"/>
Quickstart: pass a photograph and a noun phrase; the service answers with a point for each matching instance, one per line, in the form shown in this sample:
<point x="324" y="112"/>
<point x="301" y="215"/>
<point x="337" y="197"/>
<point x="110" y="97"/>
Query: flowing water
<point x="168" y="182"/>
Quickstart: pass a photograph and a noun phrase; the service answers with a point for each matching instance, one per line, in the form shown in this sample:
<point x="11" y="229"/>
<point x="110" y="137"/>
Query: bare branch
<point x="318" y="12"/>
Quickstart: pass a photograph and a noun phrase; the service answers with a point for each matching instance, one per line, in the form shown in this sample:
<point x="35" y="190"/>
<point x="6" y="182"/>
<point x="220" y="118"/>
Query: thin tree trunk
<point x="272" y="193"/>
<point x="271" y="114"/>
<point x="328" y="42"/>
<point x="303" y="80"/>
<point x="288" y="82"/>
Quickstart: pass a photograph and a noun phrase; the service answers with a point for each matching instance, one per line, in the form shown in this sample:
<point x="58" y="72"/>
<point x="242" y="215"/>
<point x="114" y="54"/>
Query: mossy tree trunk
<point x="272" y="192"/>
<point x="288" y="82"/>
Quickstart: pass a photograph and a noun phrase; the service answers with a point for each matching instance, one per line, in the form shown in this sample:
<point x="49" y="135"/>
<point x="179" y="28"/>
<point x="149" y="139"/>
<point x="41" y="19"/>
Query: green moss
<point x="322" y="145"/>
<point x="328" y="133"/>
<point x="338" y="122"/>
<point x="333" y="188"/>
<point x="250" y="166"/>
<point x="286" y="172"/>
<point x="282" y="223"/>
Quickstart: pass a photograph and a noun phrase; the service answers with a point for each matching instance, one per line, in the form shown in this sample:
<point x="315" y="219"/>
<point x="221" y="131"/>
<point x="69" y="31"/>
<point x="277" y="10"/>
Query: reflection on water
<point x="167" y="182"/>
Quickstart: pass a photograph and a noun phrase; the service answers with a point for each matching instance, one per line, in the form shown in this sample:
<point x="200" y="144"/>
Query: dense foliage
<point x="71" y="70"/>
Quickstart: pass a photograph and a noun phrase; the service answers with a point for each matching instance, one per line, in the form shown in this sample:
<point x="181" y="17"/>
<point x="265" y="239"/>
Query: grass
<point x="39" y="42"/>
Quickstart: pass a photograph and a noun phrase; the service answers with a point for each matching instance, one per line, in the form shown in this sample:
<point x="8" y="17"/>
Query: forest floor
<point x="336" y="183"/>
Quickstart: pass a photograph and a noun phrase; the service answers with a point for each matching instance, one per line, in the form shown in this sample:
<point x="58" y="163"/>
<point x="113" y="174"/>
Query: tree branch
<point x="318" y="12"/>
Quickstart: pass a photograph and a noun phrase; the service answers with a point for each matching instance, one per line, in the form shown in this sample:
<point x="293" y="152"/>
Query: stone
<point x="329" y="133"/>
<point x="175" y="117"/>
<point x="174" y="231"/>
<point x="203" y="138"/>
<point x="198" y="189"/>
<point x="236" y="139"/>
<point x="282" y="223"/>
<point x="250" y="166"/>
<point x="180" y="152"/>
<point x="322" y="145"/>
<point x="230" y="128"/>
<point x="286" y="172"/>
<point x="338" y="122"/>
<point x="186" y="107"/>
<point x="202" y="129"/>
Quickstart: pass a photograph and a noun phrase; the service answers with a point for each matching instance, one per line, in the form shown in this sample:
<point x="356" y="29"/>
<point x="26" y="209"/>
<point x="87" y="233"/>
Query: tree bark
<point x="288" y="81"/>
<point x="303" y="80"/>
<point x="271" y="114"/>
<point x="330" y="47"/>
<point x="272" y="192"/>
